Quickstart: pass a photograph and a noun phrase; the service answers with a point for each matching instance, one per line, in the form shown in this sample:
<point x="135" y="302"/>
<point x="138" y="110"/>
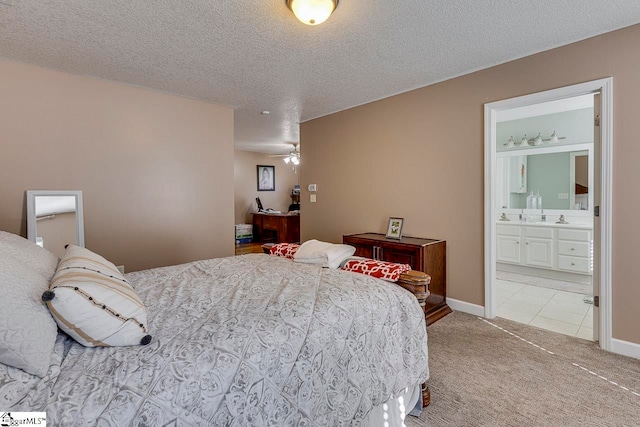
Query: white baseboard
<point x="626" y="348"/>
<point x="465" y="307"/>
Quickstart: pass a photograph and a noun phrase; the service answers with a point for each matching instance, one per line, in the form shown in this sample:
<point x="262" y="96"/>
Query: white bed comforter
<point x="242" y="341"/>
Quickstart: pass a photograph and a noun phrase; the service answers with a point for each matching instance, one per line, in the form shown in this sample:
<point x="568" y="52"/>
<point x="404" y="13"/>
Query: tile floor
<point x="550" y="309"/>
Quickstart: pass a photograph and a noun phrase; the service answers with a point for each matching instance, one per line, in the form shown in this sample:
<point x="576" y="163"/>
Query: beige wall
<point x="419" y="155"/>
<point x="246" y="185"/>
<point x="155" y="169"/>
<point x="582" y="170"/>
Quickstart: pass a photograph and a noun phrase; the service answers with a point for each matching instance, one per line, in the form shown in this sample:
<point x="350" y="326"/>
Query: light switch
<point x="312" y="198"/>
<point x="563" y="196"/>
<point x="313" y="187"/>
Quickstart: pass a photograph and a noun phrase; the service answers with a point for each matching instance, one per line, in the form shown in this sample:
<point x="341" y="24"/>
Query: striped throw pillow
<point x="93" y="303"/>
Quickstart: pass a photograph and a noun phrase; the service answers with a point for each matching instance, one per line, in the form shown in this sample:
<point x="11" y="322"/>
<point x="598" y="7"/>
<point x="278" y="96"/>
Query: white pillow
<point x="27" y="252"/>
<point x="322" y="253"/>
<point x="94" y="303"/>
<point x="27" y="330"/>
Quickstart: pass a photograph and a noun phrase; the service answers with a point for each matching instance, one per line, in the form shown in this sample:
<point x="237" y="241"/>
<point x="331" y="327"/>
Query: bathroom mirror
<point x="55" y="219"/>
<point x="561" y="178"/>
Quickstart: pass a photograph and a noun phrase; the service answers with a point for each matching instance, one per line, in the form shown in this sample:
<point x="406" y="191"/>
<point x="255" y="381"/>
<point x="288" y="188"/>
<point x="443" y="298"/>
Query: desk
<point x="285" y="226"/>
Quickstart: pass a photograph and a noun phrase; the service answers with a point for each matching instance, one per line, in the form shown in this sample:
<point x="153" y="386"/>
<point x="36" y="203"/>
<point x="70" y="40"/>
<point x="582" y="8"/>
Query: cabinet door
<point x="399" y="256"/>
<point x="539" y="252"/>
<point x="508" y="249"/>
<point x="362" y="250"/>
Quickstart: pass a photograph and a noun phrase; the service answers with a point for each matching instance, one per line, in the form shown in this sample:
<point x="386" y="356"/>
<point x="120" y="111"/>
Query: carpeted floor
<point x="484" y="376"/>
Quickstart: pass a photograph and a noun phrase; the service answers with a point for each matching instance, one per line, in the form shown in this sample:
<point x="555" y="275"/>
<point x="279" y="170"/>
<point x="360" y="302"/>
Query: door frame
<point x="605" y="88"/>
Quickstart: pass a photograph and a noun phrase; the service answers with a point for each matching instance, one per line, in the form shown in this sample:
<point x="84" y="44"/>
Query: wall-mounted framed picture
<point x="266" y="178"/>
<point x="394" y="228"/>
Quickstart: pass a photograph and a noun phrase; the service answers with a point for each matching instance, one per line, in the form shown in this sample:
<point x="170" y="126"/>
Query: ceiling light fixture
<point x="293" y="157"/>
<point x="312" y="12"/>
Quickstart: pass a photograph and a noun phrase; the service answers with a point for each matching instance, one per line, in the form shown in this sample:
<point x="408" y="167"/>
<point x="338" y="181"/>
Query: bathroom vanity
<point x="563" y="248"/>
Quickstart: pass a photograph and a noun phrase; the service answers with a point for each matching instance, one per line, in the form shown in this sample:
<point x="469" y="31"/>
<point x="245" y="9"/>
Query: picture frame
<point x="394" y="228"/>
<point x="266" y="177"/>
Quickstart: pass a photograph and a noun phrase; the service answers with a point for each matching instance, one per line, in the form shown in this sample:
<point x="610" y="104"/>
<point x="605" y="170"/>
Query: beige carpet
<point x="483" y="376"/>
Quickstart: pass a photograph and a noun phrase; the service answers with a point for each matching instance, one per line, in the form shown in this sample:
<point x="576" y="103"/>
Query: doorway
<point x="547" y="222"/>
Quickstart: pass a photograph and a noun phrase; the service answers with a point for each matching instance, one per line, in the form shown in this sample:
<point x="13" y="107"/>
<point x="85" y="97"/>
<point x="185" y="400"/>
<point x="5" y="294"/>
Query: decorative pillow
<point x="286" y="250"/>
<point x="27" y="252"/>
<point x="27" y="330"/>
<point x="388" y="271"/>
<point x="94" y="303"/>
<point x="322" y="253"/>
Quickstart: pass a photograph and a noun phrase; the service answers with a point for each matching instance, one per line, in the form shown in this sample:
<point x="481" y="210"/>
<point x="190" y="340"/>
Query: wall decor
<point x="266" y="178"/>
<point x="394" y="228"/>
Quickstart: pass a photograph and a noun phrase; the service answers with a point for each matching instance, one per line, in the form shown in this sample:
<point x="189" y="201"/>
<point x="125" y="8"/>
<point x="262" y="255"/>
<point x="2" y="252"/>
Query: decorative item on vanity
<point x="312" y="12"/>
<point x="534" y="203"/>
<point x="503" y="217"/>
<point x="561" y="220"/>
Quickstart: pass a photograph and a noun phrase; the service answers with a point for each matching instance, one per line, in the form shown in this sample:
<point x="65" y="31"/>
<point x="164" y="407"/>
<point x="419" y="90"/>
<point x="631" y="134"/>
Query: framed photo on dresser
<point x="394" y="228"/>
<point x="266" y="178"/>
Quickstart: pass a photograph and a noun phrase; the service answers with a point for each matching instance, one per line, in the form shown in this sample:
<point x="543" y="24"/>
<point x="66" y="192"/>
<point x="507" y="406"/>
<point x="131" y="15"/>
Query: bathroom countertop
<point x="548" y="224"/>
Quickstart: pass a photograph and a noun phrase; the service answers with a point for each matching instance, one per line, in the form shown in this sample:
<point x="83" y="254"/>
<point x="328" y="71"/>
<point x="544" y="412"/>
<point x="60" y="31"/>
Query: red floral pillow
<point x="286" y="250"/>
<point x="388" y="271"/>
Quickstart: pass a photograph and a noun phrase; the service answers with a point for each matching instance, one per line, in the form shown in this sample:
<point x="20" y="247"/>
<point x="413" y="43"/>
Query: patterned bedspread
<point x="249" y="340"/>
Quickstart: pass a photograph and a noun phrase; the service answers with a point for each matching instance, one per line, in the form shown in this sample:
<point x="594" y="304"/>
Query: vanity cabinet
<point x="427" y="255"/>
<point x="575" y="251"/>
<point x="508" y="244"/>
<point x="546" y="246"/>
<point x="538" y="247"/>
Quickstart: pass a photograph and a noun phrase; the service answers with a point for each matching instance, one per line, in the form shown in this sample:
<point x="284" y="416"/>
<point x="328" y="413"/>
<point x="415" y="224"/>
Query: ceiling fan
<point x="293" y="157"/>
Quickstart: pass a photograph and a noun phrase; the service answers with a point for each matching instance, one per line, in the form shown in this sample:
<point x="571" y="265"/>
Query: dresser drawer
<point x="578" y="249"/>
<point x="570" y="263"/>
<point x="578" y="235"/>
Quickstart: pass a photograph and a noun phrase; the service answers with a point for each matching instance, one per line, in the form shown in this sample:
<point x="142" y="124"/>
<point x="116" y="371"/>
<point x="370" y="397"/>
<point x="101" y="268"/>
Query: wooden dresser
<point x="427" y="255"/>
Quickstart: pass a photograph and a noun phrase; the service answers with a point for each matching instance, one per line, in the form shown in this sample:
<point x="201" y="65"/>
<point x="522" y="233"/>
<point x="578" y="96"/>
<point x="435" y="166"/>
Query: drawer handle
<point x="573" y="263"/>
<point x="573" y="249"/>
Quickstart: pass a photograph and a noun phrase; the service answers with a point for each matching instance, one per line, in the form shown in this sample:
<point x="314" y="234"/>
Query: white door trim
<point x="605" y="87"/>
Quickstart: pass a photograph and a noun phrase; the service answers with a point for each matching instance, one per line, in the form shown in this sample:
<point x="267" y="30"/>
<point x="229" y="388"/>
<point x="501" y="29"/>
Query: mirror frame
<point x="586" y="147"/>
<point x="31" y="212"/>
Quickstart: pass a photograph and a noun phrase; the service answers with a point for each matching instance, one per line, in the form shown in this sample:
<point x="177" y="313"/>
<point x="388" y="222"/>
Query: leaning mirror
<point x="55" y="219"/>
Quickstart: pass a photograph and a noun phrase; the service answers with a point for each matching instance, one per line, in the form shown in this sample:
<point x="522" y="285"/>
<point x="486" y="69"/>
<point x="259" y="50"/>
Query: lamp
<point x="312" y="12"/>
<point x="293" y="157"/>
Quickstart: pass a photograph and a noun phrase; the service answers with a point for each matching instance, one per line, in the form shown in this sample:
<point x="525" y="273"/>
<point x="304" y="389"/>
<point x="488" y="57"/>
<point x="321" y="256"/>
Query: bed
<point x="247" y="340"/>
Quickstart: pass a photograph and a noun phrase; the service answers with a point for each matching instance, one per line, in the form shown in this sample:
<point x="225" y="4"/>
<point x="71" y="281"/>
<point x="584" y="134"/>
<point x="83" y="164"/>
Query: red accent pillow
<point x="388" y="271"/>
<point x="286" y="250"/>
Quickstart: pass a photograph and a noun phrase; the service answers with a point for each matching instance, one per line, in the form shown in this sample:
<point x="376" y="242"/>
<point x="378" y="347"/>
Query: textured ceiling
<point x="254" y="55"/>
